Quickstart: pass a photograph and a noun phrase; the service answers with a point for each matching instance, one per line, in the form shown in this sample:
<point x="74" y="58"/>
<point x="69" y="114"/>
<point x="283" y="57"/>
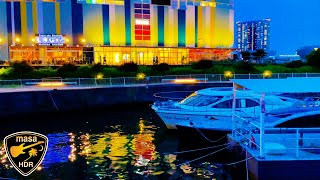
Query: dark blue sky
<point x="294" y="23"/>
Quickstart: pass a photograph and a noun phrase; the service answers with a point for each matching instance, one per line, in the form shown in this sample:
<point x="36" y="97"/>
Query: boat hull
<point x="200" y="121"/>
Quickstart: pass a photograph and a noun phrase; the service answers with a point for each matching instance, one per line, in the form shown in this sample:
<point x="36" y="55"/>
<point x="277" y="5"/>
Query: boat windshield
<point x="200" y="100"/>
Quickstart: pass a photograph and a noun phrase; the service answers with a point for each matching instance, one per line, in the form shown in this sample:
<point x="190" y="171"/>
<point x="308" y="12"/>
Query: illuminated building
<point x="253" y="35"/>
<point x="116" y="31"/>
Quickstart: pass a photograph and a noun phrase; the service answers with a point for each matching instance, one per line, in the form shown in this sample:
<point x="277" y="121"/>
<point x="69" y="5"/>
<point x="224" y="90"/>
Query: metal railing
<point x="128" y="81"/>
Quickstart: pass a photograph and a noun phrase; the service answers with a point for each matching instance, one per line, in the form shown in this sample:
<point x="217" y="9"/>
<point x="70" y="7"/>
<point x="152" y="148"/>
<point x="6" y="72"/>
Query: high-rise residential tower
<point x="253" y="35"/>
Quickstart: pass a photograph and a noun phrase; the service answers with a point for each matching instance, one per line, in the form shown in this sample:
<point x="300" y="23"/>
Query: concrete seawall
<point x="17" y="103"/>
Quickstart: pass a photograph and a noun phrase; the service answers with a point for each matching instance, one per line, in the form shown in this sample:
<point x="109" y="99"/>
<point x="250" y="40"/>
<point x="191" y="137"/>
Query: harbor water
<point x="122" y="142"/>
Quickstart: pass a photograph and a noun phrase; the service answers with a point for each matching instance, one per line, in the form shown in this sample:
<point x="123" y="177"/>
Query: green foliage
<point x="5" y="72"/>
<point x="184" y="70"/>
<point x="97" y="67"/>
<point x="129" y="67"/>
<point x="295" y="64"/>
<point x="260" y="53"/>
<point x="84" y="72"/>
<point x="202" y="64"/>
<point x="146" y="70"/>
<point x="67" y="70"/>
<point x="43" y="72"/>
<point x="313" y="58"/>
<point x="112" y="72"/>
<point x="246" y="55"/>
<point x="21" y="67"/>
<point x="161" y="67"/>
<point x="244" y="68"/>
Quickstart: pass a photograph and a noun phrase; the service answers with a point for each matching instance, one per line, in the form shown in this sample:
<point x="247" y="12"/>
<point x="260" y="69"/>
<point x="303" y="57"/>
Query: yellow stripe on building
<point x="201" y="40"/>
<point x="154" y="26"/>
<point x="24" y="24"/>
<point x="117" y="25"/>
<point x="34" y="17"/>
<point x="212" y="26"/>
<point x="58" y="23"/>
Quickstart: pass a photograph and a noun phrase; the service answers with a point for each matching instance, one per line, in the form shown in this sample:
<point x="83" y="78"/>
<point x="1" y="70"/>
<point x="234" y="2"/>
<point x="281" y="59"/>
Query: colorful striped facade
<point x="186" y="23"/>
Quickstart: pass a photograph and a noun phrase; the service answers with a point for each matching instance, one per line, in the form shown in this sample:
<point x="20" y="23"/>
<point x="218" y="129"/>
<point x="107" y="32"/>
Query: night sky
<point x="294" y="23"/>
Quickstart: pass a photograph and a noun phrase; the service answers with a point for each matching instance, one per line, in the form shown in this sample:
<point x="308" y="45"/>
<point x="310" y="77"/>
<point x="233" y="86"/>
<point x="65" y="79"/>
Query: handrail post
<point x="21" y="83"/>
<point x="306" y="74"/>
<point x="110" y="82"/>
<point x="79" y="81"/>
<point x="124" y="81"/>
<point x="95" y="80"/>
<point x="205" y="78"/>
<point x="278" y="76"/>
<point x="249" y="76"/>
<point x="220" y="77"/>
<point x="297" y="143"/>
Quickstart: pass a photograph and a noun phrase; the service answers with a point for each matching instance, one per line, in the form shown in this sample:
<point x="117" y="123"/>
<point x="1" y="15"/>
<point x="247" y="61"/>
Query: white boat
<point x="211" y="108"/>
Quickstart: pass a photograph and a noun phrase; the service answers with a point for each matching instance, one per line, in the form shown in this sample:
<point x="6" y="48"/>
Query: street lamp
<point x="17" y="39"/>
<point x="228" y="74"/>
<point x="83" y="41"/>
<point x="316" y="49"/>
<point x="1" y="40"/>
<point x="267" y="74"/>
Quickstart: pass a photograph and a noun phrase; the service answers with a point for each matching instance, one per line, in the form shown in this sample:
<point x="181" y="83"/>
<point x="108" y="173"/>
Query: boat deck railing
<point x="280" y="143"/>
<point x="143" y="80"/>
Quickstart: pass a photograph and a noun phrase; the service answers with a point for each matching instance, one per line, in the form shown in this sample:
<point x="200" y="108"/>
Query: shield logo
<point x="25" y="150"/>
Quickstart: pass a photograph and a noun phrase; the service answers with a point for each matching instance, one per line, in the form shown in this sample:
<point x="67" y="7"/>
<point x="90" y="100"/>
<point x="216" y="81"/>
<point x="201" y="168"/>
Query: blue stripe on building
<point x="17" y="18"/>
<point x="160" y="25"/>
<point x="77" y="21"/>
<point x="127" y="13"/>
<point x="106" y="24"/>
<point x="29" y="18"/>
<point x="181" y="28"/>
<point x="49" y="21"/>
<point x="196" y="26"/>
<point x="9" y="25"/>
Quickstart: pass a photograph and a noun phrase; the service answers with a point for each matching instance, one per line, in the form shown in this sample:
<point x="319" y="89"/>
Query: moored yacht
<point x="211" y="108"/>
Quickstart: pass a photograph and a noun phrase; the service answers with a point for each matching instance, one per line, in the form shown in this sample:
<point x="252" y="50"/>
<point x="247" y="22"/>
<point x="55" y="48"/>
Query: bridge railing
<point x="126" y="81"/>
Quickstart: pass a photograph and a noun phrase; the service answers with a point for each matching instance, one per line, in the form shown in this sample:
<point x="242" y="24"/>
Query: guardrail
<point x="125" y="81"/>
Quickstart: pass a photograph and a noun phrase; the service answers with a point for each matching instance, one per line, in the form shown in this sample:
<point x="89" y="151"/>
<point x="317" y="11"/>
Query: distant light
<point x="185" y="81"/>
<point x="17" y="39"/>
<point x="117" y="58"/>
<point x="267" y="74"/>
<point x="67" y="40"/>
<point x="51" y="84"/>
<point x="33" y="40"/>
<point x="99" y="76"/>
<point x="83" y="40"/>
<point x="316" y="49"/>
<point x="228" y="74"/>
<point x="1" y="40"/>
<point x="141" y="76"/>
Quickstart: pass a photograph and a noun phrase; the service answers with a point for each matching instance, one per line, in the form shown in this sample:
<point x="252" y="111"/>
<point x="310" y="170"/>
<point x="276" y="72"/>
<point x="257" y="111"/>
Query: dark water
<point x="124" y="142"/>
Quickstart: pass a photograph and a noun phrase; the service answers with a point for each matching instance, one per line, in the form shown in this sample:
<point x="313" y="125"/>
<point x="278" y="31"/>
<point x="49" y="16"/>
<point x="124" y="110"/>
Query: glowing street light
<point x="228" y="74"/>
<point x="316" y="49"/>
<point x="83" y="40"/>
<point x="141" y="76"/>
<point x="267" y="74"/>
<point x="99" y="76"/>
<point x="17" y="39"/>
<point x="1" y="40"/>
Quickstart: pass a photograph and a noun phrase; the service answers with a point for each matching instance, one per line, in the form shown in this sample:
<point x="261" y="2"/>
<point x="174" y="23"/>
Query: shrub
<point x="146" y="70"/>
<point x="183" y="70"/>
<point x="129" y="67"/>
<point x="84" y="72"/>
<point x="244" y="68"/>
<point x="67" y="70"/>
<point x="97" y="67"/>
<point x="202" y="64"/>
<point x="21" y="67"/>
<point x="161" y="67"/>
<point x="43" y="72"/>
<point x="111" y="72"/>
<point x="294" y="64"/>
<point x="313" y="58"/>
<point x="5" y="72"/>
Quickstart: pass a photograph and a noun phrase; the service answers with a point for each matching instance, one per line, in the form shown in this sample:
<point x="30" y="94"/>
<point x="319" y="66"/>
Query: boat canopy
<point x="290" y="85"/>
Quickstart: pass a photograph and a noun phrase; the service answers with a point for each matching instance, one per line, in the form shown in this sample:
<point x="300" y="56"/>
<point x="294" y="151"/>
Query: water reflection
<point x="113" y="154"/>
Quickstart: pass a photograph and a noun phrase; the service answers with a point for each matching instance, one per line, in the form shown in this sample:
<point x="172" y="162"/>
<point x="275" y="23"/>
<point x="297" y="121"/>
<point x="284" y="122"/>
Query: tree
<point x="245" y="55"/>
<point x="260" y="53"/>
<point x="313" y="58"/>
